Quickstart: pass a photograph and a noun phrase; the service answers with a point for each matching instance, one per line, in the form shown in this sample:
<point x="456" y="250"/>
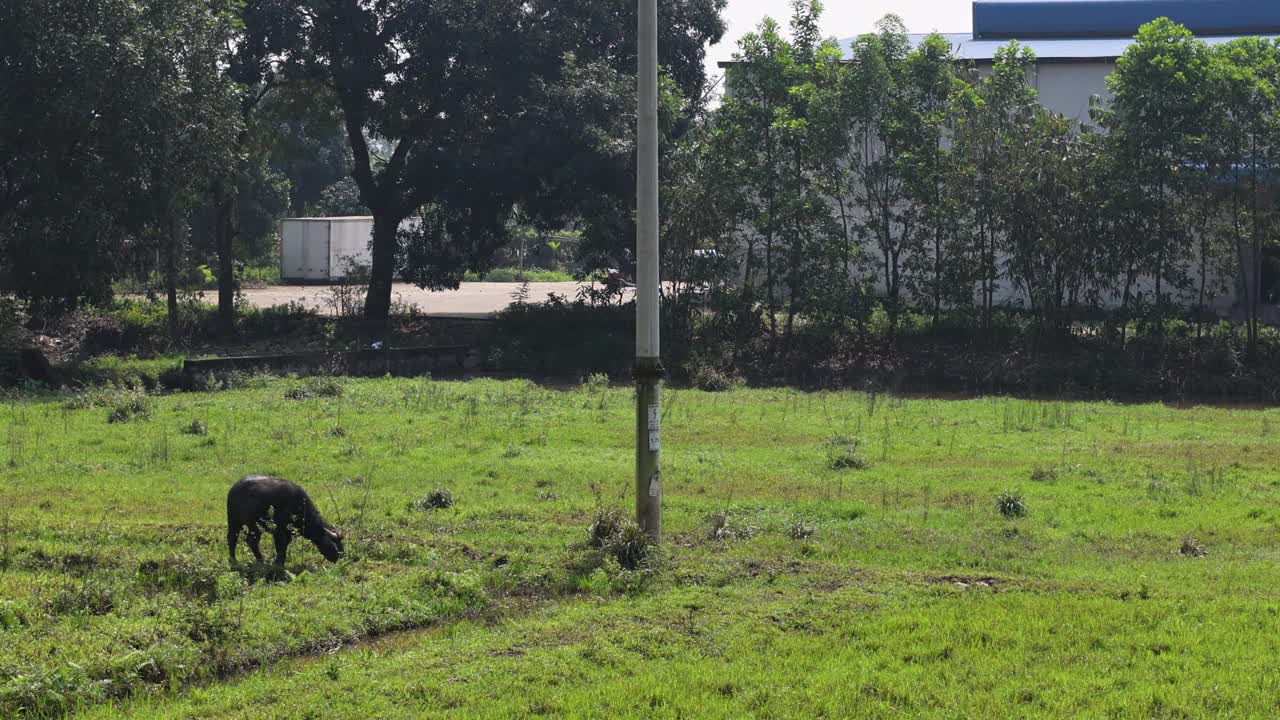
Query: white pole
<point x="648" y="369"/>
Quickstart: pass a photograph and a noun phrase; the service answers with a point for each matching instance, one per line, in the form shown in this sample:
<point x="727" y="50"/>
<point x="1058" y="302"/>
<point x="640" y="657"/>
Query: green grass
<point x="516" y="275"/>
<point x="790" y="585"/>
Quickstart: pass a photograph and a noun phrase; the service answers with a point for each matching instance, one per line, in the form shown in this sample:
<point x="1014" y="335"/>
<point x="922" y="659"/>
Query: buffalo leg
<point x="282" y="538"/>
<point x="254" y="536"/>
<point x="233" y="537"/>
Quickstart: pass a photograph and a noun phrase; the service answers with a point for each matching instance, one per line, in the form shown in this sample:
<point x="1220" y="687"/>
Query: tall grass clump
<point x="843" y="454"/>
<point x="130" y="407"/>
<point x="316" y="387"/>
<point x="439" y="499"/>
<point x="621" y="538"/>
<point x="1011" y="505"/>
<point x="1192" y="547"/>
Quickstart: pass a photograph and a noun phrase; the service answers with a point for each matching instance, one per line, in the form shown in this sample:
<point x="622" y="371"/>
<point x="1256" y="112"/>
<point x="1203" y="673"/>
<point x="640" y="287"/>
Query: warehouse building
<point x="1077" y="42"/>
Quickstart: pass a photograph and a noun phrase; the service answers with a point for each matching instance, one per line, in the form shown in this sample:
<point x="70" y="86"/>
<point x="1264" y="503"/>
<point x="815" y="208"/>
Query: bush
<point x="93" y="597"/>
<point x="12" y="615"/>
<point x="606" y="525"/>
<point x="620" y="538"/>
<point x="631" y="546"/>
<point x="435" y="500"/>
<point x="713" y="370"/>
<point x="316" y="387"/>
<point x="722" y="528"/>
<point x="1192" y="547"/>
<point x="1011" y="505"/>
<point x="1044" y="474"/>
<point x="131" y="407"/>
<point x="842" y="454"/>
<point x="516" y="275"/>
<point x="196" y="427"/>
<point x="798" y="530"/>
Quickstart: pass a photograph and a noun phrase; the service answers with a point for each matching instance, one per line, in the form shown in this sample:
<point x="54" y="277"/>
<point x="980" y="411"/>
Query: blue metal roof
<point x="1027" y="19"/>
<point x="1100" y="49"/>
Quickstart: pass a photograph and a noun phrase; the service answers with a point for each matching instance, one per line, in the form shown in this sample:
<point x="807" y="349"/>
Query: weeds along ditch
<point x="484" y="499"/>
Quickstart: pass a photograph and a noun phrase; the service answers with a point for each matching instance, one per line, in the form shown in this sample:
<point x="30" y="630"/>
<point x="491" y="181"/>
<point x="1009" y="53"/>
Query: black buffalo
<point x="282" y="507"/>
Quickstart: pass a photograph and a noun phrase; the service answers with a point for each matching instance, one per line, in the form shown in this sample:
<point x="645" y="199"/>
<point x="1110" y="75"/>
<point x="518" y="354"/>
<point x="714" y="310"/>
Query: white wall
<point x="1067" y="87"/>
<point x="349" y="244"/>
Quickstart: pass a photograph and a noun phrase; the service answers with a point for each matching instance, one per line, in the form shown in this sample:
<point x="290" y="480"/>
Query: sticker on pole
<point x="655" y="417"/>
<point x="655" y="440"/>
<point x="655" y="485"/>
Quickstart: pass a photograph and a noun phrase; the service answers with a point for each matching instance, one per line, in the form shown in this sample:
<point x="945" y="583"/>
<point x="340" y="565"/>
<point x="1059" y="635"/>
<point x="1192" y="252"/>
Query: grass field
<point x="829" y="555"/>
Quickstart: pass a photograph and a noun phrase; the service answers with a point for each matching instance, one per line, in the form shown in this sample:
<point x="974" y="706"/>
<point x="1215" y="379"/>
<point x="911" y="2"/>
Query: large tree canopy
<point x="479" y="104"/>
<point x="66" y="99"/>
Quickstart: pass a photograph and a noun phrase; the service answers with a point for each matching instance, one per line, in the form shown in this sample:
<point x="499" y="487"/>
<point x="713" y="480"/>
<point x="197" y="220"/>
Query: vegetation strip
<point x="464" y="500"/>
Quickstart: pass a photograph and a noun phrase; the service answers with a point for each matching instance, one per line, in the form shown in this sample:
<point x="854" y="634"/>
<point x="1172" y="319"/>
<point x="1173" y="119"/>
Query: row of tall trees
<point x="900" y="171"/>
<point x="155" y="129"/>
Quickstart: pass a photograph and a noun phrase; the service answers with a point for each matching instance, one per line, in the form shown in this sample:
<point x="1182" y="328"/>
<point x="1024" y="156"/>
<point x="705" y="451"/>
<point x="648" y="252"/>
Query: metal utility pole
<point x="648" y="369"/>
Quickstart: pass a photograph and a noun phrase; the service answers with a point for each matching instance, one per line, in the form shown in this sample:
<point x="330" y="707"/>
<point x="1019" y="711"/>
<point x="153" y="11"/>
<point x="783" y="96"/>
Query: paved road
<point x="473" y="300"/>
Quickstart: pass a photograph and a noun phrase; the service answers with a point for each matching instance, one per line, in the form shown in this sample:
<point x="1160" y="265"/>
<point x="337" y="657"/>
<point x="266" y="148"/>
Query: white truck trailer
<point x="323" y="249"/>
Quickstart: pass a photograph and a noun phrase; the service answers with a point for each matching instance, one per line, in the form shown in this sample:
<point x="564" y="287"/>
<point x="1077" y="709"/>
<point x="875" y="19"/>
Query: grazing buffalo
<point x="262" y="503"/>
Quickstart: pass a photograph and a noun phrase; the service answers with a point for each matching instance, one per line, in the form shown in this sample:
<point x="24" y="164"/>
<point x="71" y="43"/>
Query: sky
<point x="843" y="19"/>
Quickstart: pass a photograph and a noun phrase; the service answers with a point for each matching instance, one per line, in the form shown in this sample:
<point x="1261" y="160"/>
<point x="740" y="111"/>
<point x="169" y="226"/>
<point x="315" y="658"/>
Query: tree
<point x="747" y="132"/>
<point x="930" y="169"/>
<point x="259" y="41"/>
<point x="999" y="109"/>
<point x="189" y="127"/>
<point x="810" y="134"/>
<point x="1242" y="149"/>
<point x="460" y="91"/>
<point x="310" y="149"/>
<point x="68" y="142"/>
<point x="1047" y="208"/>
<point x="1155" y="122"/>
<point x="875" y="102"/>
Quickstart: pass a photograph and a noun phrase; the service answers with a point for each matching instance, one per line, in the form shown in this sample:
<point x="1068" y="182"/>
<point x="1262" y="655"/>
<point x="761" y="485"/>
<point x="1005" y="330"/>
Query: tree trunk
<point x="377" y="306"/>
<point x="171" y="276"/>
<point x="226" y="265"/>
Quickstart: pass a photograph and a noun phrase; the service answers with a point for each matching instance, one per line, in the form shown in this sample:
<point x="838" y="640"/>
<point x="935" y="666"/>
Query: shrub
<point x="620" y="538"/>
<point x="435" y="500"/>
<point x="316" y="387"/>
<point x="631" y="546"/>
<point x="90" y="398"/>
<point x="93" y="597"/>
<point x="1044" y="474"/>
<point x="713" y="369"/>
<point x="722" y="528"/>
<point x="196" y="427"/>
<point x="515" y="275"/>
<point x="1192" y="547"/>
<point x="130" y="407"/>
<point x="842" y="454"/>
<point x="1011" y="505"/>
<point x="798" y="530"/>
<point x="186" y="575"/>
<point x="12" y="615"/>
<point x="605" y="526"/>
